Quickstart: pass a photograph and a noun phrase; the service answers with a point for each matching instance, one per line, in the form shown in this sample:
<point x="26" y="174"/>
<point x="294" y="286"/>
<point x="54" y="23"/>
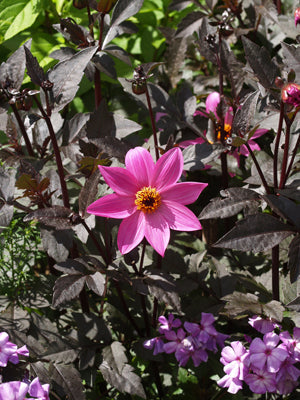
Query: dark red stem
<point x="279" y="130"/>
<point x="264" y="182"/>
<point x="23" y="131"/>
<point x="152" y="123"/>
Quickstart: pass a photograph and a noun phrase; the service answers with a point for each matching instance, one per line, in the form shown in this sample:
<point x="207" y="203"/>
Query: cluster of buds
<point x="192" y="340"/>
<point x="9" y="352"/>
<point x="267" y="366"/>
<point x="22" y="100"/>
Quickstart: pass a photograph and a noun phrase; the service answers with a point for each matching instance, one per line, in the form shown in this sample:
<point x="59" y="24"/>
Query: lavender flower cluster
<point x="191" y="340"/>
<point x="268" y="365"/>
<point x="17" y="390"/>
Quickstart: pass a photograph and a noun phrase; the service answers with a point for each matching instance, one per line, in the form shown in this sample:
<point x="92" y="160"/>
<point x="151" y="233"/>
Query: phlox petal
<point x="157" y="231"/>
<point x="168" y="169"/>
<point x="13" y="390"/>
<point x="179" y="217"/>
<point x="120" y="180"/>
<point x="212" y="101"/>
<point x="183" y="192"/>
<point x="228" y="355"/>
<point x="113" y="206"/>
<point x="139" y="162"/>
<point x="131" y="232"/>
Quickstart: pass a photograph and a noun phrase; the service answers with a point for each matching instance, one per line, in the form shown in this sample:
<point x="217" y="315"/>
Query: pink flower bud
<point x="297" y="16"/>
<point x="290" y="94"/>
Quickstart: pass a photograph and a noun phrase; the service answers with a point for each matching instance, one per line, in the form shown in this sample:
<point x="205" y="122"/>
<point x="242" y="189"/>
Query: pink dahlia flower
<point x="148" y="199"/>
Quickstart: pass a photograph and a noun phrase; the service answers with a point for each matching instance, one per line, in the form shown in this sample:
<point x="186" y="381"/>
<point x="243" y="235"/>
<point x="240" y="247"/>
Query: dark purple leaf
<point x="234" y="201"/>
<point x="96" y="283"/>
<point x="88" y="193"/>
<point x="261" y="63"/>
<point x="101" y="122"/>
<point x="118" y="373"/>
<point x="57" y="243"/>
<point x="91" y="327"/>
<point x="68" y="378"/>
<point x="259" y="232"/>
<point x="118" y="52"/>
<point x="67" y="288"/>
<point x="13" y="69"/>
<point x="291" y="57"/>
<point x="62" y="54"/>
<point x="244" y="115"/>
<point x="294" y="259"/>
<point x="189" y="24"/>
<point x="204" y="48"/>
<point x="285" y="208"/>
<point x="56" y="216"/>
<point x="73" y="267"/>
<point x="164" y="289"/>
<point x="104" y="63"/>
<point x="66" y="76"/>
<point x="34" y="70"/>
<point x="196" y="156"/>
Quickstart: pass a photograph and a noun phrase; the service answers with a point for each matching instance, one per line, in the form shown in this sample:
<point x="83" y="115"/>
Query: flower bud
<point x="80" y="4"/>
<point x="104" y="6"/>
<point x="290" y="94"/>
<point x="279" y="82"/>
<point x="297" y="16"/>
<point x="139" y="87"/>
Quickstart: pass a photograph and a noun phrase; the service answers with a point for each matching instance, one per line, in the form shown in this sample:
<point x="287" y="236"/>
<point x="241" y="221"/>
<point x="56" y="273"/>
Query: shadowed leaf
<point x="291" y="58"/>
<point x="164" y="289"/>
<point x="67" y="288"/>
<point x="189" y="24"/>
<point x="56" y="216"/>
<point x="236" y="199"/>
<point x="244" y="115"/>
<point x="256" y="233"/>
<point x="285" y="208"/>
<point x="89" y="192"/>
<point x="34" y="70"/>
<point x="68" y="378"/>
<point x="294" y="259"/>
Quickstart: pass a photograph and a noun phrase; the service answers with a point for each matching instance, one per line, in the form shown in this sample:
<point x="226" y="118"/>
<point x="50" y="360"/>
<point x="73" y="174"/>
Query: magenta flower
<point x="233" y="384"/>
<point x="7" y="349"/>
<point x="155" y="343"/>
<point x="290" y="94"/>
<point x="175" y="339"/>
<point x="38" y="391"/>
<point x="264" y="353"/>
<point x="187" y="349"/>
<point x="292" y="343"/>
<point x="233" y="358"/>
<point x="262" y="325"/>
<point x="148" y="199"/>
<point x="14" y="390"/>
<point x="261" y="382"/>
<point x="211" y="104"/>
<point x="297" y="16"/>
<point x="168" y="323"/>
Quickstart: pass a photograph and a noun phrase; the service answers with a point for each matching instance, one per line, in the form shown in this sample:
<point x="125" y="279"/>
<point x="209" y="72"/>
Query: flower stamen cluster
<point x="147" y="199"/>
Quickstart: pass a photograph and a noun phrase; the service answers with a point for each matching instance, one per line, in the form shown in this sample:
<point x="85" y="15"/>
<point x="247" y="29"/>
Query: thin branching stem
<point x="64" y="190"/>
<point x="276" y="149"/>
<point x="296" y="148"/>
<point x="275" y="272"/>
<point x="152" y="123"/>
<point x="285" y="153"/>
<point x="97" y="75"/>
<point x="261" y="175"/>
<point x="23" y="131"/>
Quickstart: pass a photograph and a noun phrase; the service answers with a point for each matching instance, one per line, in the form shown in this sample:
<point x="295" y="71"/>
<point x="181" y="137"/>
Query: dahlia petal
<point x="168" y="169"/>
<point x="157" y="231"/>
<point x="113" y="206"/>
<point x="183" y="192"/>
<point x="228" y="117"/>
<point x="131" y="232"/>
<point x="120" y="180"/>
<point x="140" y="164"/>
<point x="259" y="133"/>
<point x="212" y="101"/>
<point x="179" y="217"/>
<point x="243" y="150"/>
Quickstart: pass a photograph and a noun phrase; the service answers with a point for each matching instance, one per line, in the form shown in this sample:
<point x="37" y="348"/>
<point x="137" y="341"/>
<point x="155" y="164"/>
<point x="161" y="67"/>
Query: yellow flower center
<point x="147" y="199"/>
<point x="227" y="129"/>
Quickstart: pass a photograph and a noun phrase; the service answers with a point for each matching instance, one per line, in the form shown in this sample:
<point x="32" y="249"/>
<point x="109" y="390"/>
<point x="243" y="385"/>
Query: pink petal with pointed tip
<point x="191" y="142"/>
<point x="228" y="117"/>
<point x="253" y="145"/>
<point x="168" y="169"/>
<point x="183" y="192"/>
<point x="179" y="217"/>
<point x="120" y="180"/>
<point x="131" y="232"/>
<point x="113" y="206"/>
<point x="244" y="151"/>
<point x="140" y="164"/>
<point x="258" y="133"/>
<point x="212" y="101"/>
<point x="157" y="231"/>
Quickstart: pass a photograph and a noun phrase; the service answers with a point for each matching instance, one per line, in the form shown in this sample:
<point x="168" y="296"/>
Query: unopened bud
<point x="104" y="6"/>
<point x="279" y="82"/>
<point x="139" y="87"/>
<point x="290" y="94"/>
<point x="80" y="4"/>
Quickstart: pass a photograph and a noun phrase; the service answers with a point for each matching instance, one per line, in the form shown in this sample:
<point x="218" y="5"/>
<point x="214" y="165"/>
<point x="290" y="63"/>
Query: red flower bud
<point x="297" y="16"/>
<point x="290" y="94"/>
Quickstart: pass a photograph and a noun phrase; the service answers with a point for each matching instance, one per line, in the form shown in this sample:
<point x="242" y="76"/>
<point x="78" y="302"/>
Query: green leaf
<point x="18" y="15"/>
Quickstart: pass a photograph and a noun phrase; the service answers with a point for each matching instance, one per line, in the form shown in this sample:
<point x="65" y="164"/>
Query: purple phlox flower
<point x="261" y="382"/>
<point x="22" y="351"/>
<point x="264" y="353"/>
<point x="155" y="343"/>
<point x="233" y="358"/>
<point x="38" y="391"/>
<point x="187" y="349"/>
<point x="7" y="349"/>
<point x="206" y="327"/>
<point x="14" y="390"/>
<point x="263" y="325"/>
<point x="175" y="339"/>
<point x="292" y="343"/>
<point x="287" y="376"/>
<point x="233" y="384"/>
<point x="168" y="323"/>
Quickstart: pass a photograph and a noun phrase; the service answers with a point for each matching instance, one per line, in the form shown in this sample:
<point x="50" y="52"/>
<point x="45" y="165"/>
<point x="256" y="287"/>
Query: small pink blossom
<point x="290" y="94"/>
<point x="233" y="384"/>
<point x="297" y="16"/>
<point x="14" y="390"/>
<point x="261" y="382"/>
<point x="233" y="358"/>
<point x="148" y="199"/>
<point x="7" y="349"/>
<point x="38" y="391"/>
<point x="155" y="343"/>
<point x="168" y="324"/>
<point x="263" y="325"/>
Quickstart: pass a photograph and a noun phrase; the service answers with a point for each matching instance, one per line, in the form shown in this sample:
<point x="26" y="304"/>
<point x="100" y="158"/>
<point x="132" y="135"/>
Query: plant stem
<point x="23" y="131"/>
<point x="264" y="182"/>
<point x="97" y="75"/>
<point x="142" y="297"/>
<point x="60" y="167"/>
<point x="275" y="272"/>
<point x="279" y="130"/>
<point x="152" y="124"/>
<point x="292" y="160"/>
<point x="285" y="154"/>
<point x="224" y="170"/>
<point x="97" y="244"/>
